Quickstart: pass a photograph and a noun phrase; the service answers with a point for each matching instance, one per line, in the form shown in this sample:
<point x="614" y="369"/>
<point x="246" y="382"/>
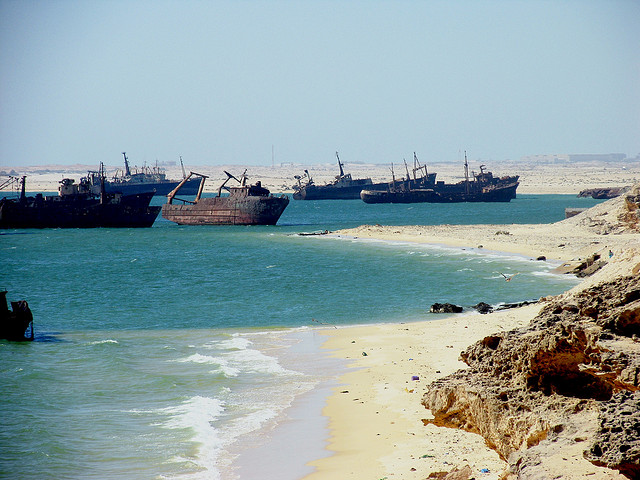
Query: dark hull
<point x="16" y="324"/>
<point x="332" y="192"/>
<point x="246" y="210"/>
<point x="128" y="211"/>
<point x="160" y="188"/>
<point x="413" y="196"/>
<point x="442" y="194"/>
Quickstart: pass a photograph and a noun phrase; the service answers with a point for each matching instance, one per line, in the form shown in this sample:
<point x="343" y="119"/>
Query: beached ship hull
<point x="387" y="196"/>
<point x="484" y="187"/>
<point x="334" y="192"/>
<point x="77" y="207"/>
<point x="344" y="187"/>
<point x="443" y="194"/>
<point x="52" y="212"/>
<point x="245" y="205"/>
<point x="228" y="211"/>
<point x="491" y="193"/>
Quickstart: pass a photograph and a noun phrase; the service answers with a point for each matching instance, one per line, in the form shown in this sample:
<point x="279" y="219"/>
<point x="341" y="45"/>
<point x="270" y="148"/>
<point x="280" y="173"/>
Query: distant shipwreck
<point x="344" y="187"/>
<point x="479" y="187"/>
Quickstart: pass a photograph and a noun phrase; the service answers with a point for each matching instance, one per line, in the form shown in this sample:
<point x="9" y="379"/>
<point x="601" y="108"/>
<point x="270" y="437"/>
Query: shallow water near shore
<point x="175" y="352"/>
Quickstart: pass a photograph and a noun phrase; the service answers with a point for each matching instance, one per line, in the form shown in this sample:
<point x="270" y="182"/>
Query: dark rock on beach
<point x="483" y="307"/>
<point x="506" y="306"/>
<point x="445" y="308"/>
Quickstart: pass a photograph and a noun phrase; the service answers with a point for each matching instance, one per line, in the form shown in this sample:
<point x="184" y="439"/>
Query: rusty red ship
<point x="244" y="205"/>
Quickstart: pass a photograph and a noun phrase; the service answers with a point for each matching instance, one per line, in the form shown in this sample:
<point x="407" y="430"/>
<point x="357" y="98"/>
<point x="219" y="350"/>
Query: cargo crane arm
<point x="173" y="192"/>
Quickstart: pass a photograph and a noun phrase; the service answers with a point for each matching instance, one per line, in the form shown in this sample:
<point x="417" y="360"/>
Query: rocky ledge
<point x="567" y="385"/>
<point x="603" y="193"/>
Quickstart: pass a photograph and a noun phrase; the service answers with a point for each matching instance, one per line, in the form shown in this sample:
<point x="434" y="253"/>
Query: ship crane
<point x="173" y="192"/>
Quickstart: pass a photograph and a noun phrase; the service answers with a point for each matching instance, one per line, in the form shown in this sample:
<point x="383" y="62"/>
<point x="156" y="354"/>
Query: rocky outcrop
<point x="618" y="215"/>
<point x="543" y="386"/>
<point x="445" y="308"/>
<point x="483" y="307"/>
<point x="603" y="193"/>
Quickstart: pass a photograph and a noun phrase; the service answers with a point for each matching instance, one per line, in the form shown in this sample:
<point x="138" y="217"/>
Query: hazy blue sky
<point x="221" y="82"/>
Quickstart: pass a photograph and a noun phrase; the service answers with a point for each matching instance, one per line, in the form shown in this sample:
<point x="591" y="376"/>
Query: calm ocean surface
<point x="174" y="352"/>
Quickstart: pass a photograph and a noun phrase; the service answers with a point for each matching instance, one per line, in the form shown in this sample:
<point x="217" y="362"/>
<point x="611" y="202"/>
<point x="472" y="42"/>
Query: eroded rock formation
<point x="544" y="385"/>
<point x="617" y="440"/>
<point x="603" y="193"/>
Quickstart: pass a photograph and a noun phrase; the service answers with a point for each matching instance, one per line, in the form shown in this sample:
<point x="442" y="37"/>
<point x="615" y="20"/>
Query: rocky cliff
<point x="579" y="359"/>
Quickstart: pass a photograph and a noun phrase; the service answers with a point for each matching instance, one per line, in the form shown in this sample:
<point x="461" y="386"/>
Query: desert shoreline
<point x="375" y="414"/>
<point x="536" y="178"/>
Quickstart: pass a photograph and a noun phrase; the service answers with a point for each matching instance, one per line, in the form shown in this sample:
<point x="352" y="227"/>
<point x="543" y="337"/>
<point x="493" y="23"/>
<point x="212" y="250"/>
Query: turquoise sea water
<point x="174" y="351"/>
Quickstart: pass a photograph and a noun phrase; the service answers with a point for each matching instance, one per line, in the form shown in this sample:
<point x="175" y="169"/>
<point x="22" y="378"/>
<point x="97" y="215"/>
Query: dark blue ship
<point x="481" y="187"/>
<point x="142" y="180"/>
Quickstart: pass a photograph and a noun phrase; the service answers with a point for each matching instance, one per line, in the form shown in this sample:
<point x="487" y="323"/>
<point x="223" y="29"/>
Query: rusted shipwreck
<point x="76" y="206"/>
<point x="344" y="187"/>
<point x="15" y="324"/>
<point x="244" y="205"/>
<point x="479" y="187"/>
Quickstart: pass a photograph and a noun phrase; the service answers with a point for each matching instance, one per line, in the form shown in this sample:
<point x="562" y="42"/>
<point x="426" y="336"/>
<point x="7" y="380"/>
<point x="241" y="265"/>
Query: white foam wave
<point x="199" y="415"/>
<point x="198" y="358"/>
<point x="99" y="342"/>
<point x="236" y="342"/>
<point x="254" y="361"/>
<point x="549" y="273"/>
<point x="223" y="364"/>
<point x="240" y="358"/>
<point x="252" y="421"/>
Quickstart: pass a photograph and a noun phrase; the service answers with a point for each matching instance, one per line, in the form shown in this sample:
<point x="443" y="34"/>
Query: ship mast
<point x="340" y="164"/>
<point x="23" y="195"/>
<point x="126" y="165"/>
<point x="417" y="166"/>
<point x="406" y="167"/>
<point x="103" y="193"/>
<point x="393" y="178"/>
<point x="466" y="172"/>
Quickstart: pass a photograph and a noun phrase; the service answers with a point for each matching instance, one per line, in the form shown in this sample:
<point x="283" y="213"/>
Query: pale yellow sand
<point x="375" y="415"/>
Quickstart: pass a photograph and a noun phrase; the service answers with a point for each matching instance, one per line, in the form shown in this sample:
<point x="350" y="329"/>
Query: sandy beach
<point x="376" y="413"/>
